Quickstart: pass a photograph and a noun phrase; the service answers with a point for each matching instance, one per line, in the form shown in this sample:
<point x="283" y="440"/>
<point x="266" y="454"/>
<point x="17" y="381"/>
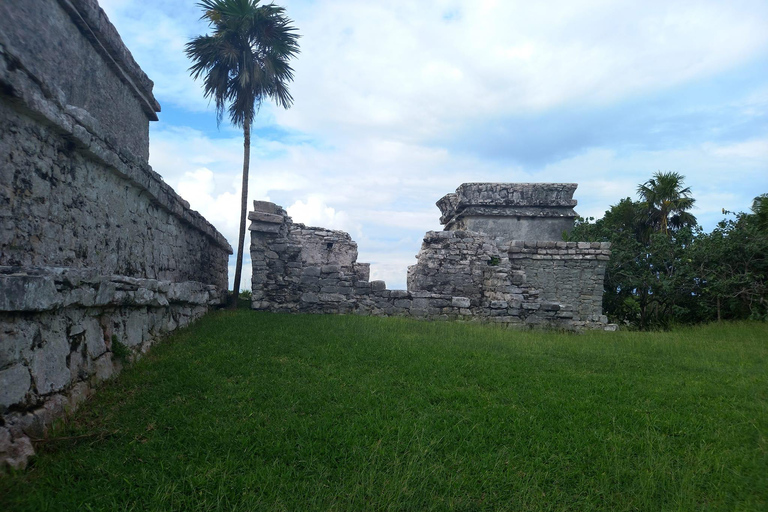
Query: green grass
<point x="253" y="411"/>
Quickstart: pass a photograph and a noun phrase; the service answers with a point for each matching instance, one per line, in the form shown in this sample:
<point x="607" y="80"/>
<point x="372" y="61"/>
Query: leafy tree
<point x="244" y="61"/>
<point x="647" y="280"/>
<point x="663" y="273"/>
<point x="666" y="202"/>
<point x="732" y="269"/>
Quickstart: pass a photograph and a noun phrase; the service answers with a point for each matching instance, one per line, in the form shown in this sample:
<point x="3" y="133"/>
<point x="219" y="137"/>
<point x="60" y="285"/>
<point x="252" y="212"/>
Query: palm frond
<point x="245" y="59"/>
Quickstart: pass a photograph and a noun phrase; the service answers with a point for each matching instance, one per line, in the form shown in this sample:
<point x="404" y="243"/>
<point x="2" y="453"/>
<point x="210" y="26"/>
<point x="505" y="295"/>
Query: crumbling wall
<point x="96" y="251"/>
<point x="568" y="272"/>
<point x="458" y="275"/>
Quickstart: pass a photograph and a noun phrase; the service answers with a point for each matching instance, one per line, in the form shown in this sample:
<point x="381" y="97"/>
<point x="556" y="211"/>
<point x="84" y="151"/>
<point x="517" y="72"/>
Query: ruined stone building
<point x="95" y="248"/>
<point x="500" y="259"/>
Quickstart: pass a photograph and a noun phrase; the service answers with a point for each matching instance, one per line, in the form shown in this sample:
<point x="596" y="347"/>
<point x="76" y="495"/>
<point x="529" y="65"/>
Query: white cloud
<point x="314" y="212"/>
<point x="404" y="72"/>
<point x="756" y="149"/>
<point x="402" y="69"/>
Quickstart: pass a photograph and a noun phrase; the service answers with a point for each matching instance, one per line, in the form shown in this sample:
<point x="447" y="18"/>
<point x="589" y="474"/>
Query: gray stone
<point x="265" y="217"/>
<point x="94" y="338"/>
<point x="14" y="453"/>
<point x="264" y="227"/>
<point x="267" y="207"/>
<point x="49" y="364"/>
<point x="28" y="293"/>
<point x="14" y="386"/>
<point x="135" y="328"/>
<point x="104" y="368"/>
<point x="460" y="302"/>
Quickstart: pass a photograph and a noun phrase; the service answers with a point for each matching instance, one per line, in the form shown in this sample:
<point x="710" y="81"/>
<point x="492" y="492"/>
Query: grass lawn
<point x="257" y="411"/>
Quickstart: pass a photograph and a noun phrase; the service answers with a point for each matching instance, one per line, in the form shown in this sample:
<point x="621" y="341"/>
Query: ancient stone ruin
<point x="500" y="259"/>
<point x="96" y="251"/>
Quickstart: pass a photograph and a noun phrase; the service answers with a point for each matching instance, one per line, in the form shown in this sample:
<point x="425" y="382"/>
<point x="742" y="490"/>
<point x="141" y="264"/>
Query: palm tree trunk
<point x="243" y="212"/>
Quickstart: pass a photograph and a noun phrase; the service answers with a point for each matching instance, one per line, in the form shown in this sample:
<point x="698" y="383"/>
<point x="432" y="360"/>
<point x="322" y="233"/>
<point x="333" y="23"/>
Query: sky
<point x="397" y="103"/>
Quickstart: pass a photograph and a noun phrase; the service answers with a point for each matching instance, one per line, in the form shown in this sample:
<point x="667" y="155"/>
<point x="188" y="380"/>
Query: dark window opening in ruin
<point x="329" y="245"/>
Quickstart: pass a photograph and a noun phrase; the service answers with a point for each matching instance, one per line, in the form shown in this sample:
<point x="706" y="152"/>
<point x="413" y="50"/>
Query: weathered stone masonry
<point x="94" y="247"/>
<point x="481" y="275"/>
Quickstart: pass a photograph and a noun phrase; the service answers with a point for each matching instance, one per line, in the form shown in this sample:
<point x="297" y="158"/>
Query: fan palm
<point x="666" y="203"/>
<point x="244" y="61"/>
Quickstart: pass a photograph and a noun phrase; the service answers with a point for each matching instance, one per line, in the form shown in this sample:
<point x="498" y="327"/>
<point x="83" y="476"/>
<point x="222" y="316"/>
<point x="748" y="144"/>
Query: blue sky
<point x="398" y="103"/>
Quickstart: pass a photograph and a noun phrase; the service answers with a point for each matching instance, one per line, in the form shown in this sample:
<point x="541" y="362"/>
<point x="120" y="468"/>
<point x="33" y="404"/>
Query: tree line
<point x="665" y="270"/>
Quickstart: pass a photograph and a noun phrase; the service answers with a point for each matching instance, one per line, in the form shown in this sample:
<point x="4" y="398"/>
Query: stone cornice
<point x="509" y="199"/>
<point x="49" y="288"/>
<point x="96" y="27"/>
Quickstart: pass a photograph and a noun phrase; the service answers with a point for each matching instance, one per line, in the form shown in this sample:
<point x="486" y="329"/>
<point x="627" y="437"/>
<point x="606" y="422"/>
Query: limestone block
<point x="190" y="292"/>
<point x="265" y="217"/>
<point x="311" y="298"/>
<point x="49" y="363"/>
<point x="264" y="227"/>
<point x="421" y="303"/>
<point x="136" y="327"/>
<point x="104" y="368"/>
<point x="378" y="286"/>
<point x="267" y="207"/>
<point x="144" y="297"/>
<point x="16" y="340"/>
<point x="362" y="271"/>
<point x="14" y="385"/>
<point x="107" y="293"/>
<point x="28" y="293"/>
<point x="79" y="296"/>
<point x="460" y="302"/>
<point x="311" y="271"/>
<point x="331" y="297"/>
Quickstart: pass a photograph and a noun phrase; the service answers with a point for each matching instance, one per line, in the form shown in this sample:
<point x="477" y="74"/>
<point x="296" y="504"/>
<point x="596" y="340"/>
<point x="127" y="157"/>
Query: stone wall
<point x="96" y="250"/>
<point x="458" y="275"/>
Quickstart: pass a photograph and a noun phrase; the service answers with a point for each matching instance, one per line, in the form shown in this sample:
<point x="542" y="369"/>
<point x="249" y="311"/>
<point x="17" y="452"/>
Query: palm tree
<point x="244" y="61"/>
<point x="665" y="202"/>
